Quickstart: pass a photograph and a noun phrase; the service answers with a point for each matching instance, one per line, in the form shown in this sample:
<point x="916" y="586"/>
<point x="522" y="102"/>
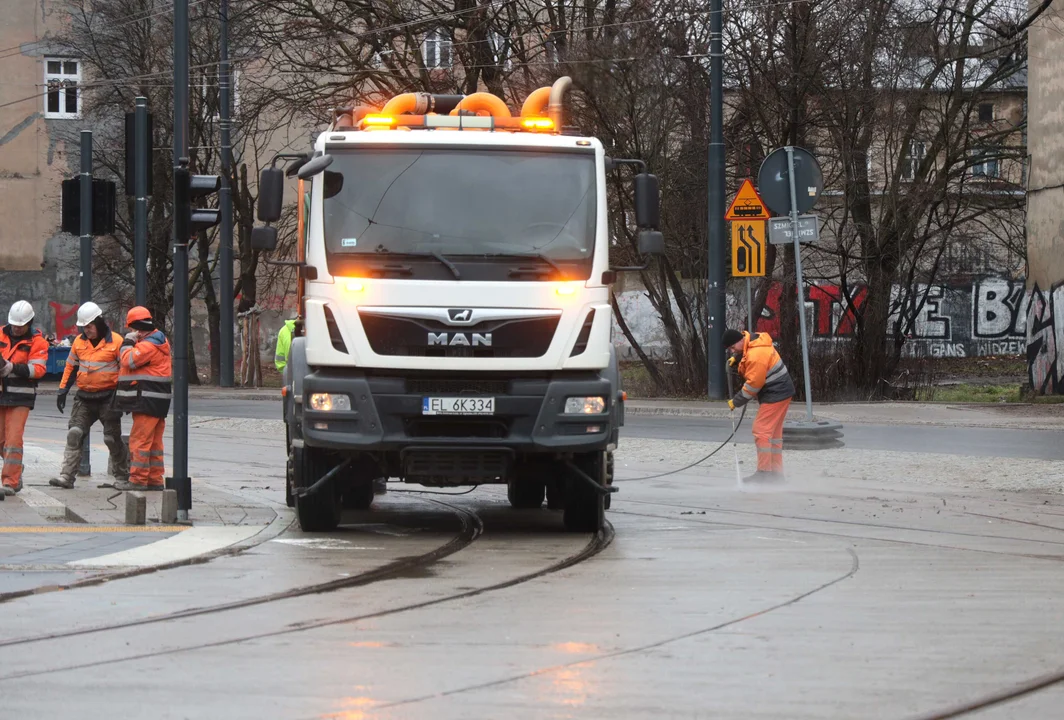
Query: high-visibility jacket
<point x="96" y="366"/>
<point x="29" y="355"/>
<point x="284" y="344"/>
<point x="765" y="377"/>
<point x="144" y="376"/>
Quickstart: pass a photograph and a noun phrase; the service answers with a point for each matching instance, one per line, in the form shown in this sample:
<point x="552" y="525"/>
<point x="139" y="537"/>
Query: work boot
<point x="62" y="482"/>
<point x="126" y="486"/>
<point x="9" y="490"/>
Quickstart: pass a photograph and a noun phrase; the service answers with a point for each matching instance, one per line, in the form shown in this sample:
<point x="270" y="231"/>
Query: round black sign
<point x="773" y="181"/>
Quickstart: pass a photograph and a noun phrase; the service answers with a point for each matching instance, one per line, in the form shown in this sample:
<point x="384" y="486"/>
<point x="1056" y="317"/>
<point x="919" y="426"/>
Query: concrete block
<point x="136" y="508"/>
<point x="168" y="508"/>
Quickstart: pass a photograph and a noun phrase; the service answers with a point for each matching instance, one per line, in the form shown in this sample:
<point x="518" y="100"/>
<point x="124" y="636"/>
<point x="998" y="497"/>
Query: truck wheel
<point x="289" y="479"/>
<point x="525" y="493"/>
<point x="609" y="475"/>
<point x="585" y="509"/>
<point x="319" y="512"/>
<point x="358" y="495"/>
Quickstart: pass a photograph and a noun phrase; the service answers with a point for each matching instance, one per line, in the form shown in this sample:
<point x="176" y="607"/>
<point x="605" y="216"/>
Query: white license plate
<point x="458" y="406"/>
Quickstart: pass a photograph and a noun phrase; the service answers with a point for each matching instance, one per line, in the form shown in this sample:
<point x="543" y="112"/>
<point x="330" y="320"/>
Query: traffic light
<point x="188" y="190"/>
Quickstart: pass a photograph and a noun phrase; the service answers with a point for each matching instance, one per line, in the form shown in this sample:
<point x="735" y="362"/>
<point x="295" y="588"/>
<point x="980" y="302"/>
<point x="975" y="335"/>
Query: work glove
<point x="60" y="400"/>
<point x="731" y="404"/>
<point x="130" y="339"/>
<point x="732" y="361"/>
<point x="6" y="369"/>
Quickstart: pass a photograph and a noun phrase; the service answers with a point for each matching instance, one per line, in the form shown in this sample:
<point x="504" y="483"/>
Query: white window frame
<point x="908" y="173"/>
<point x="206" y="88"/>
<point x="980" y="170"/>
<point x="500" y="50"/>
<point x="62" y="81"/>
<point x="432" y="50"/>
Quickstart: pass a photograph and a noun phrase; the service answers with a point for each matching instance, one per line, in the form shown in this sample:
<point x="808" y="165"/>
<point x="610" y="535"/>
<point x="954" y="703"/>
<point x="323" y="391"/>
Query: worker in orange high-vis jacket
<point x="144" y="389"/>
<point x="93" y="359"/>
<point x="23" y="361"/>
<point x="764" y="377"/>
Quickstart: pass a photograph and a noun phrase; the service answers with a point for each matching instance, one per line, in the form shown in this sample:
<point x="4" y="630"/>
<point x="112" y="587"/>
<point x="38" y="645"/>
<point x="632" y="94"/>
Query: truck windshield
<point x="493" y="208"/>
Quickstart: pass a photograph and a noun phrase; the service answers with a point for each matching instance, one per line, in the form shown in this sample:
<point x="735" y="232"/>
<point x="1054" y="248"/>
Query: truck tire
<point x="357" y="495"/>
<point x="609" y="475"/>
<point x="319" y="512"/>
<point x="289" y="472"/>
<point x="525" y="493"/>
<point x="585" y="509"/>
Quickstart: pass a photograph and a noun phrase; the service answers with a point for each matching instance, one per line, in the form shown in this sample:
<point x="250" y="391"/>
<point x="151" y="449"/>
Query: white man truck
<point x="454" y="305"/>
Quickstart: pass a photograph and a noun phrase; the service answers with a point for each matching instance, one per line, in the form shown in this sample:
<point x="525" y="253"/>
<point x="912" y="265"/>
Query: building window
<point x="437" y="49"/>
<point x="910" y="164"/>
<point x="986" y="112"/>
<point x="211" y="94"/>
<point x="985" y="164"/>
<point x="62" y="78"/>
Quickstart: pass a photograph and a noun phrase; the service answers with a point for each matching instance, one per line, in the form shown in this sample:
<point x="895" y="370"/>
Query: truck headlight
<point x="585" y="405"/>
<point x="328" y="402"/>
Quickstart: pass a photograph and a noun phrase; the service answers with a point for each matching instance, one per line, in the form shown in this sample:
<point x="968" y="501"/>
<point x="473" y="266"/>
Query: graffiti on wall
<point x="1045" y="326"/>
<point x="986" y="317"/>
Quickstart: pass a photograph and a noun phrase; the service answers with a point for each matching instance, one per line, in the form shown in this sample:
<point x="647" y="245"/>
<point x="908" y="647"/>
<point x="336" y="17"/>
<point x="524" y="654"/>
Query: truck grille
<point x="455" y="465"/>
<point x="456" y="386"/>
<point x="523" y="338"/>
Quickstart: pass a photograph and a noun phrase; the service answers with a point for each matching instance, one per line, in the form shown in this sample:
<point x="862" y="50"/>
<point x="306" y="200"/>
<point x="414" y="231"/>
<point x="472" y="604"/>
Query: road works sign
<point x="747" y="205"/>
<point x="748" y="248"/>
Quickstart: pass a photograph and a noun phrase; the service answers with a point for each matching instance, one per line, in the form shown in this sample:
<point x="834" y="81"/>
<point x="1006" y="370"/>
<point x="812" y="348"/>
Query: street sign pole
<point x="225" y="203"/>
<point x="749" y="308"/>
<point x="180" y="480"/>
<point x="86" y="258"/>
<point x="715" y="300"/>
<point x="801" y="285"/>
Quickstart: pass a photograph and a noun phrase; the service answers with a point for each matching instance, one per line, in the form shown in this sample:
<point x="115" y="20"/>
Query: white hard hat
<point x="88" y="313"/>
<point x="20" y="313"/>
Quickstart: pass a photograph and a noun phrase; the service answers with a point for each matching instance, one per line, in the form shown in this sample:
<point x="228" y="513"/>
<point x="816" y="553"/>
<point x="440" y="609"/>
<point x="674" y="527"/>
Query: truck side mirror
<point x="271" y="194"/>
<point x="651" y="242"/>
<point x="647" y="201"/>
<point x="314" y="166"/>
<point x="264" y="238"/>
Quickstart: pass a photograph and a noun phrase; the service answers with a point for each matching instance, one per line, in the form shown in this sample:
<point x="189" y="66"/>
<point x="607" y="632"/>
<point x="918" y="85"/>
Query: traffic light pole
<point x="180" y="480"/>
<point x="716" y="288"/>
<point x="86" y="258"/>
<point x="140" y="191"/>
<point x="225" y="255"/>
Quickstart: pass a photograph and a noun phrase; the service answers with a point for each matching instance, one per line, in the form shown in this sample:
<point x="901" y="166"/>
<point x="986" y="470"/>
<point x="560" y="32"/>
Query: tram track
<point x="596" y="544"/>
<point x="471" y="528"/>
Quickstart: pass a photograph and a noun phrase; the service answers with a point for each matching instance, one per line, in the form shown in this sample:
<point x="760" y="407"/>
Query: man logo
<point x="460" y="339"/>
<point x="460" y="315"/>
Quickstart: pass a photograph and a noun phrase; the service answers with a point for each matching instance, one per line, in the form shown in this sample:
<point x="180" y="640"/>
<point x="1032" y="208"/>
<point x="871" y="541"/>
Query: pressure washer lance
<point x="731" y="416"/>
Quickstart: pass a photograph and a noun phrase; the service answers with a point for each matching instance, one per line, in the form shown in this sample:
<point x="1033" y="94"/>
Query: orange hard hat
<point x="137" y="314"/>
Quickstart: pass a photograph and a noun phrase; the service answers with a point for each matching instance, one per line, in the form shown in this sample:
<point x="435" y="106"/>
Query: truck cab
<point x="454" y="304"/>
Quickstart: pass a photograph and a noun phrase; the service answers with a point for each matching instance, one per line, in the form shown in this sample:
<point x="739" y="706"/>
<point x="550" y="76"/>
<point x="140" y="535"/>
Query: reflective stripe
<point x="127" y="393"/>
<point x="13" y="450"/>
<point x="96" y="364"/>
<point x="144" y="378"/>
<point x="778" y="371"/>
<point x="24" y="390"/>
<point x="140" y="465"/>
<point x="279" y="358"/>
<point x="749" y="394"/>
<point x="12" y="461"/>
<point x="40" y="363"/>
<point x="160" y="396"/>
<point x="132" y="361"/>
<point x="771" y="451"/>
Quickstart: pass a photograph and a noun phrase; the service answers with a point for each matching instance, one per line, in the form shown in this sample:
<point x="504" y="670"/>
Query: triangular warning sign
<point x="747" y="204"/>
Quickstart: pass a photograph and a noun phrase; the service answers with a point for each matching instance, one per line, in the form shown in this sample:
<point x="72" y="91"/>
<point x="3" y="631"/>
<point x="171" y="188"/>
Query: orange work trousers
<point x="768" y="435"/>
<point x="12" y="427"/>
<point x="146" y="450"/>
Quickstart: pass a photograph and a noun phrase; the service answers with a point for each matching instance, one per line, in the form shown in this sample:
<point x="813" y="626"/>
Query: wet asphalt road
<point x="980" y="442"/>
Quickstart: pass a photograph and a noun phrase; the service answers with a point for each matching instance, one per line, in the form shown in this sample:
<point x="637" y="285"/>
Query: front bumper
<point x="386" y="413"/>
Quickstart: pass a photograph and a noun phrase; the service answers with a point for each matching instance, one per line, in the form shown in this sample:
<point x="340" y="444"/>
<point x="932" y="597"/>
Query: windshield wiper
<point x="435" y="255"/>
<point x="529" y="256"/>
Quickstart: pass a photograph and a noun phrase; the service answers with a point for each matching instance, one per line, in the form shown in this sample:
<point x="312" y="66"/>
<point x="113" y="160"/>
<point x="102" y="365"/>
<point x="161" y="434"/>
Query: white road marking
<point x="182" y="546"/>
<point x="323" y="543"/>
<point x="45" y="505"/>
